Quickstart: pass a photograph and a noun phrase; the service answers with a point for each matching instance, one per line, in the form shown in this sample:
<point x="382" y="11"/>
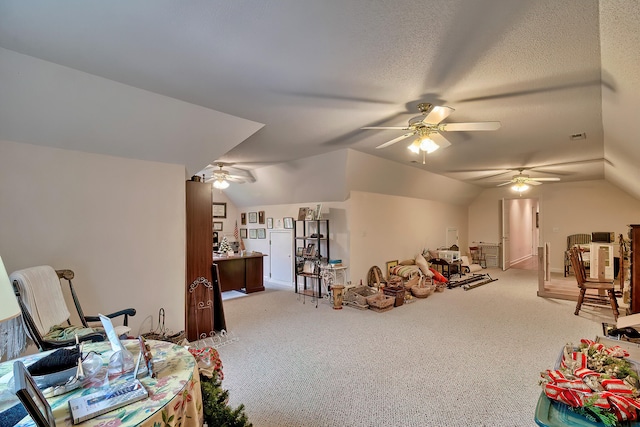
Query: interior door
<point x="281" y="256"/>
<point x="504" y="237"/>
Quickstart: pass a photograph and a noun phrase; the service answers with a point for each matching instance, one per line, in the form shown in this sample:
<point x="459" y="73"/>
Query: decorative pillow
<point x="404" y="271"/>
<point x="438" y="277"/>
<point x="422" y="264"/>
<point x="407" y="262"/>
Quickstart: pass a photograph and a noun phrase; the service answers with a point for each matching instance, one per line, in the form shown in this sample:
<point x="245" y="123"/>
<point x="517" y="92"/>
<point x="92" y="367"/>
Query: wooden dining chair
<point x="585" y="284"/>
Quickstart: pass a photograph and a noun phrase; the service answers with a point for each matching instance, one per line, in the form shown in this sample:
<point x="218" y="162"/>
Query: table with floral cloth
<point x="174" y="398"/>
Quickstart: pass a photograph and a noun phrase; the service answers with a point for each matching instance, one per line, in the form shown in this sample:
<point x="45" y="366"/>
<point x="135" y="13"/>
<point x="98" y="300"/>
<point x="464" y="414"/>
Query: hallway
<point x="530" y="263"/>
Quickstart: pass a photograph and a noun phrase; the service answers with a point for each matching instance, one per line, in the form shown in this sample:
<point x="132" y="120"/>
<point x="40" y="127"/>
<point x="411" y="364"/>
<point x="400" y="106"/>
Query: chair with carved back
<point x="45" y="313"/>
<point x="585" y="284"/>
<point x="582" y="240"/>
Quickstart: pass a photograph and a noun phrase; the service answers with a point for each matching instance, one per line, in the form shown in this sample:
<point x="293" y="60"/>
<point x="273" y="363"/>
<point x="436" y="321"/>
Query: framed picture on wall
<point x="243" y="233"/>
<point x="269" y="222"/>
<point x="390" y="265"/>
<point x="217" y="225"/>
<point x="262" y="233"/>
<point x="288" y="222"/>
<point x="219" y="210"/>
<point x="243" y="218"/>
<point x="302" y="214"/>
<point x="253" y="217"/>
<point x="260" y="217"/>
<point x="253" y="233"/>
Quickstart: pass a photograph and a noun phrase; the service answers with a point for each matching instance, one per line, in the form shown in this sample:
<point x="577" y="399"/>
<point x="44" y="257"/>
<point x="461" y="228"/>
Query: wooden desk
<point x="241" y="273"/>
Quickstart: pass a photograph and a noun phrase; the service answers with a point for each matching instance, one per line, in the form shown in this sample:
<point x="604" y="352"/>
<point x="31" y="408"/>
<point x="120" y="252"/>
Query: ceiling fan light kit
<point x="220" y="184"/>
<point x="520" y="187"/>
<point x="428" y="127"/>
<point x="423" y="143"/>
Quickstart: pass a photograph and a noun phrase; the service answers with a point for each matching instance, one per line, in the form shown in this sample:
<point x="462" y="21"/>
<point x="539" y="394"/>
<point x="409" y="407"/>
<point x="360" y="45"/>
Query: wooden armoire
<point x="203" y="301"/>
<point x="634" y="261"/>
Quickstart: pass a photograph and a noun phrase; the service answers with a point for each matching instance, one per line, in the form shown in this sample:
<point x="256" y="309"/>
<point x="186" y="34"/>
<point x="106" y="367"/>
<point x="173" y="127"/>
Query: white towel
<point x="42" y="295"/>
<point x="472" y="267"/>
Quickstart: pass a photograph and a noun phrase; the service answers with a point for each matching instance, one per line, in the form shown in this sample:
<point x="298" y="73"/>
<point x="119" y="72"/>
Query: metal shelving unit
<point x="311" y="238"/>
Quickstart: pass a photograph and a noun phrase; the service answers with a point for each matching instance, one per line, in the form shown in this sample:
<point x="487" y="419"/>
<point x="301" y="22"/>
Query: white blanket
<point x="42" y="295"/>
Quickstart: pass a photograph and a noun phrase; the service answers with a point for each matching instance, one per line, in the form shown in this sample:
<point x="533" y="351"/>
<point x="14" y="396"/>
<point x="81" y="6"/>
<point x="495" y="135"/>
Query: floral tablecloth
<point x="174" y="400"/>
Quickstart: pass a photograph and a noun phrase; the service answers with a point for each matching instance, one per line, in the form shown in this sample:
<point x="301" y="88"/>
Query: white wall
<point x="565" y="208"/>
<point x="118" y="223"/>
<point x="385" y="228"/>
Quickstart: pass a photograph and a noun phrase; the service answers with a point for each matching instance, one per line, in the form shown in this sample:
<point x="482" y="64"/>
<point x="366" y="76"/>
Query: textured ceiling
<point x="315" y="72"/>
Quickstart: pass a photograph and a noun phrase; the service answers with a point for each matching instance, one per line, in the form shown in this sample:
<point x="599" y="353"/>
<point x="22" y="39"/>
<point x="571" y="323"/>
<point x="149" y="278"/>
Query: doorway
<point x="281" y="257"/>
<point x="520" y="226"/>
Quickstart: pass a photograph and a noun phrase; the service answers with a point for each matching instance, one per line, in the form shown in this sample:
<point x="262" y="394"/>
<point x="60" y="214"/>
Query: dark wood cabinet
<point x="241" y="273"/>
<point x="199" y="293"/>
<point x="634" y="264"/>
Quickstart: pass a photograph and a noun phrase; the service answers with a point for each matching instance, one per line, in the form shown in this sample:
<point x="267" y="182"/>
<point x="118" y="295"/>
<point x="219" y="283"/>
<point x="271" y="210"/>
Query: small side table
<point x="329" y="275"/>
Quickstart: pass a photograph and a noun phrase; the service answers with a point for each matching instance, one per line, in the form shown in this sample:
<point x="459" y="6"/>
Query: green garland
<point x="215" y="408"/>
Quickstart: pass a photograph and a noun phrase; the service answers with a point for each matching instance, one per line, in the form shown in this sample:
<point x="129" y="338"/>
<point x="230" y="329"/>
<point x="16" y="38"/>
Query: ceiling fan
<point x="429" y="130"/>
<point x="521" y="182"/>
<point x="222" y="177"/>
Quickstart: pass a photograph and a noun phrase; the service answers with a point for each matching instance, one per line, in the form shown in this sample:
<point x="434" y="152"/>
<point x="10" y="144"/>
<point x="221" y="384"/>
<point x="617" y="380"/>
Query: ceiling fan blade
<point x="437" y="114"/>
<point x="504" y="183"/>
<point x="439" y="139"/>
<point x="387" y="127"/>
<point x="493" y="175"/>
<point x="530" y="181"/>
<point x="393" y="141"/>
<point x="544" y="179"/>
<point x="457" y="127"/>
<point x="575" y="162"/>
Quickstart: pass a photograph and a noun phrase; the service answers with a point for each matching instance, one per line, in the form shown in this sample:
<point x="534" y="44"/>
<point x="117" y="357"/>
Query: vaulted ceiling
<point x="256" y="82"/>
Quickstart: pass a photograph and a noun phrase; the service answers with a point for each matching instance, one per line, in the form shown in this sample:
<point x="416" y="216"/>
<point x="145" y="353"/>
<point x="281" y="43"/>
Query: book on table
<point x="91" y="405"/>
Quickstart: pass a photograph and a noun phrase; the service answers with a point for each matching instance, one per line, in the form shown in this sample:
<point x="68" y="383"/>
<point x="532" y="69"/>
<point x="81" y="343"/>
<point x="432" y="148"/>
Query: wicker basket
<point x="359" y="294"/>
<point x="396" y="292"/>
<point x="380" y="302"/>
<point x="422" y="290"/>
<point x="375" y="277"/>
<point x="413" y="281"/>
<point x="440" y="286"/>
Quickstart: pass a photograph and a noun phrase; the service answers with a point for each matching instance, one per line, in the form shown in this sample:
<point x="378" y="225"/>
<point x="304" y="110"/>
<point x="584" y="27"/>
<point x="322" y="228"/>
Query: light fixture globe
<point x="520" y="187"/>
<point x="423" y="143"/>
<point x="220" y="184"/>
<point x="415" y="146"/>
<point x="427" y="144"/>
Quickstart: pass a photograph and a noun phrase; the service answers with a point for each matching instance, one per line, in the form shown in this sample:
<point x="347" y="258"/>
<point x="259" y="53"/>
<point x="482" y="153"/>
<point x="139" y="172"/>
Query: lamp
<point x="220" y="184"/>
<point x="11" y="333"/>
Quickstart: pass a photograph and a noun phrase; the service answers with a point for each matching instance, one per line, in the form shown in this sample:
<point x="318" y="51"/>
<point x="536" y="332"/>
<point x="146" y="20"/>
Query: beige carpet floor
<point x="456" y="358"/>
